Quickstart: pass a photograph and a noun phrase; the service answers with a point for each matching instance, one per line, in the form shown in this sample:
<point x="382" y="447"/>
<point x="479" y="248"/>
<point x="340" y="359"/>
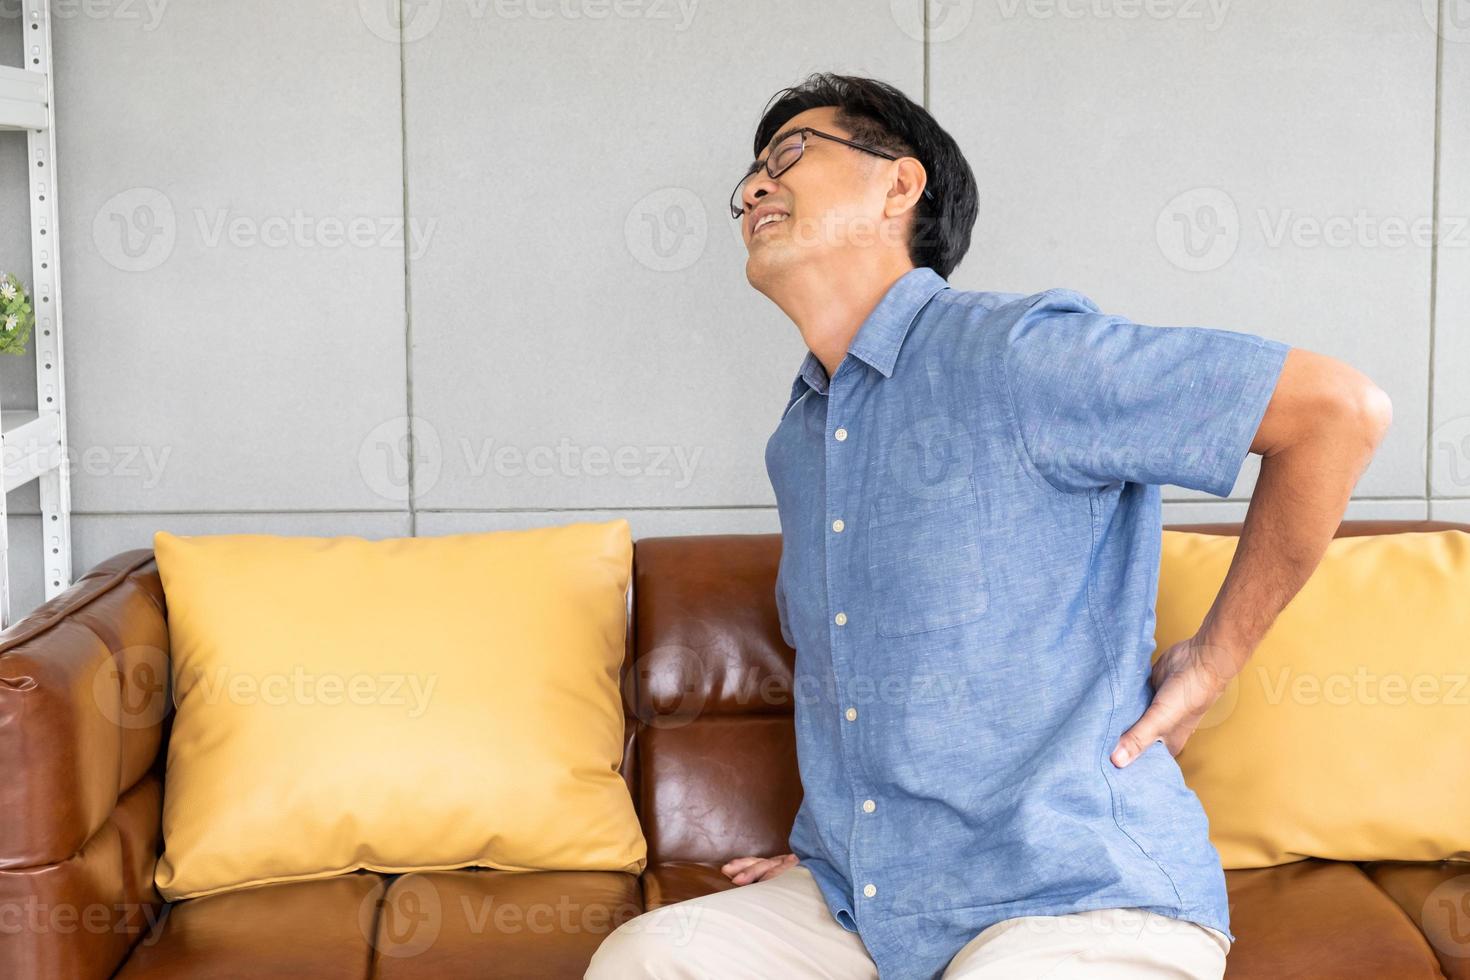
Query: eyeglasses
<point x="784" y="157"/>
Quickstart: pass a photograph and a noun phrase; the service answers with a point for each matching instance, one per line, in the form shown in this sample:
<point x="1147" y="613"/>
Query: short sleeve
<point x="1100" y="399"/>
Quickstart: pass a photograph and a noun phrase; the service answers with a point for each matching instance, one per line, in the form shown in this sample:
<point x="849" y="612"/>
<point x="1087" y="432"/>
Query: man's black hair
<point x="877" y="114"/>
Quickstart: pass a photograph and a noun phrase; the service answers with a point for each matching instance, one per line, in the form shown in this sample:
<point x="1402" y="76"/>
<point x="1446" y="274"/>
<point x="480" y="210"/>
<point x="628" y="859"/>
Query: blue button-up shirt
<point x="971" y="526"/>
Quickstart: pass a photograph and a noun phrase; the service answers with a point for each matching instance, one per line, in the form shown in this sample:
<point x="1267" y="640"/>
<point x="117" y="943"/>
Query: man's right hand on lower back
<point x="743" y="870"/>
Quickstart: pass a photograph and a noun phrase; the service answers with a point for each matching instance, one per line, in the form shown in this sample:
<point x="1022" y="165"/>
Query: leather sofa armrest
<point x="84" y="712"/>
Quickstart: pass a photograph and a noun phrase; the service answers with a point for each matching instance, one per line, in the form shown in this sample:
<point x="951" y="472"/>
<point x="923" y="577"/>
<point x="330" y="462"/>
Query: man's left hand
<point x="1188" y="678"/>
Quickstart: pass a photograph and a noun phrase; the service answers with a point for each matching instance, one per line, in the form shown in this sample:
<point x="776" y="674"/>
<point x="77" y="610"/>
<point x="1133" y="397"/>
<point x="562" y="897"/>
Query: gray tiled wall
<point x="287" y="229"/>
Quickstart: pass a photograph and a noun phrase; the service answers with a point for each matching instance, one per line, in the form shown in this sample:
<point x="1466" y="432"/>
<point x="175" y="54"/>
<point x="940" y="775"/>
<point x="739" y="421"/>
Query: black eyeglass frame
<point x="737" y="206"/>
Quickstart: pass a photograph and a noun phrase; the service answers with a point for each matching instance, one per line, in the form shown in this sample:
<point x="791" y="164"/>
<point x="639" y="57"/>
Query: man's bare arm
<point x="1321" y="427"/>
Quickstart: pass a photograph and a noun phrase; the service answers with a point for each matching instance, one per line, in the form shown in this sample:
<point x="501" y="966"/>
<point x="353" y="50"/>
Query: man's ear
<point x="909" y="181"/>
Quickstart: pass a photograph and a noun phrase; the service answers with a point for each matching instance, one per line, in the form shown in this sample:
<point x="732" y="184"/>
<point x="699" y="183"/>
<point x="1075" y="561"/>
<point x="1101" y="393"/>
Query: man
<point x="968" y="491"/>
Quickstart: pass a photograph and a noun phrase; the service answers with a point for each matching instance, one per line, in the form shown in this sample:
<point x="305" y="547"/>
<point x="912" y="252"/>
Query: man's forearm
<point x="1321" y="427"/>
<point x="1299" y="500"/>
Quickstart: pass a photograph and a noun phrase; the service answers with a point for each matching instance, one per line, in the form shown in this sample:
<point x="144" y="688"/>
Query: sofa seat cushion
<point x="1314" y="919"/>
<point x="510" y="925"/>
<point x="674" y="881"/>
<point x="319" y="929"/>
<point x="1310" y="919"/>
<point x="437" y="925"/>
<point x="1435" y="895"/>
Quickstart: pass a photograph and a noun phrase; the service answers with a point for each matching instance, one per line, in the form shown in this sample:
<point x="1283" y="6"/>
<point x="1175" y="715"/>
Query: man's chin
<point x="766" y="265"/>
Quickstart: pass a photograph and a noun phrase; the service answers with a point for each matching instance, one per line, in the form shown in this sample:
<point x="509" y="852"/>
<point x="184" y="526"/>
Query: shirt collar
<point x="880" y="336"/>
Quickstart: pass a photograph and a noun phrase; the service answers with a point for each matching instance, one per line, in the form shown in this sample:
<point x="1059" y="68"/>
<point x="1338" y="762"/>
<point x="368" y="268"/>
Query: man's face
<point x="833" y="198"/>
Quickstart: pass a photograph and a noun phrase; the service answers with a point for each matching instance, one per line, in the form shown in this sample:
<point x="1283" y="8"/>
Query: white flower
<point x="11" y="322"/>
<point x="7" y="289"/>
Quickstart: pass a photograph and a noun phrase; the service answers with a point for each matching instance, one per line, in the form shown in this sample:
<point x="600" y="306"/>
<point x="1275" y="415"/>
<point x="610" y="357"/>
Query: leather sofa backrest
<point x="710" y="692"/>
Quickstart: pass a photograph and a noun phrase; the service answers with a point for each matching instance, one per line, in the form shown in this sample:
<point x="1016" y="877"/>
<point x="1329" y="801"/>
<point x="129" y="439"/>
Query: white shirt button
<point x="852" y="714"/>
<point x="841" y="619"/>
<point x="870" y="889"/>
<point x="837" y="525"/>
<point x="841" y="434"/>
<point x="869" y="806"/>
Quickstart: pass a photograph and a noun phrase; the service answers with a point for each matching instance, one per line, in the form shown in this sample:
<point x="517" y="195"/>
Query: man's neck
<point x="829" y="306"/>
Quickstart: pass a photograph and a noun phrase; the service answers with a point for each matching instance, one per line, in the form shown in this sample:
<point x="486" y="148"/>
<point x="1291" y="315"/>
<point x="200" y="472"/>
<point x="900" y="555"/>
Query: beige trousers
<point x="781" y="928"/>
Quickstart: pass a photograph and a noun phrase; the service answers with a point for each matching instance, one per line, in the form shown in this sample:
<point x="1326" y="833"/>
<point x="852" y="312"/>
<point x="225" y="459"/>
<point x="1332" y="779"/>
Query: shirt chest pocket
<point x="925" y="568"/>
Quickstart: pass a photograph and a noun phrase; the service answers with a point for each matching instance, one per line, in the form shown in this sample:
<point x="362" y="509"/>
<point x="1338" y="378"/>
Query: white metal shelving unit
<point x="33" y="444"/>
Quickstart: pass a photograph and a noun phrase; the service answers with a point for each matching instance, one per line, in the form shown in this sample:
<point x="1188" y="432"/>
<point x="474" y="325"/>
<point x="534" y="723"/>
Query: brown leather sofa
<point x="710" y="760"/>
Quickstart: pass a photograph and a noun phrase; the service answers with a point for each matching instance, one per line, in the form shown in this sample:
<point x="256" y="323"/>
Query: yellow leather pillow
<point x="399" y="705"/>
<point x="1345" y="735"/>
